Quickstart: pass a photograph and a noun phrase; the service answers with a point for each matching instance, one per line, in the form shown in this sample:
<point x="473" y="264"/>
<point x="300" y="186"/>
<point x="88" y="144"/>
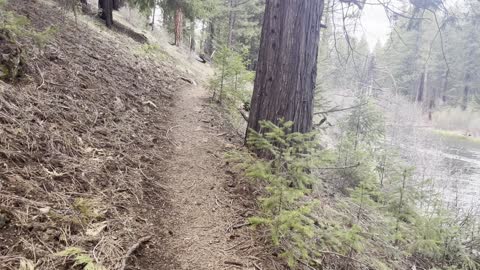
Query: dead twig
<point x="190" y="81"/>
<point x="238" y="226"/>
<point x="336" y="109"/>
<point x="233" y="263"/>
<point x="234" y="246"/>
<point x="41" y="75"/>
<point x="132" y="249"/>
<point x="340" y="168"/>
<point x="256" y="266"/>
<point x="24" y="200"/>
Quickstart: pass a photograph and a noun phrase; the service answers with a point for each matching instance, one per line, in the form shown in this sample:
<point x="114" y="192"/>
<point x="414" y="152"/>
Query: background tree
<point x="106" y="8"/>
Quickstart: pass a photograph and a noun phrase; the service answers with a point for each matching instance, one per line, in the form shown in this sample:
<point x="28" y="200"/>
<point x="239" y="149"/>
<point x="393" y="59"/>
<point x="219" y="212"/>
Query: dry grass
<point x="455" y="119"/>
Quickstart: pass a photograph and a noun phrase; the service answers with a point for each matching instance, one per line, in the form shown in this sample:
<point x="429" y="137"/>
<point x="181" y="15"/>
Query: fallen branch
<point x="238" y="226"/>
<point x="244" y="115"/>
<point x="190" y="81"/>
<point x="336" y="109"/>
<point x="340" y="168"/>
<point x="233" y="263"/>
<point x="256" y="266"/>
<point x="132" y="249"/>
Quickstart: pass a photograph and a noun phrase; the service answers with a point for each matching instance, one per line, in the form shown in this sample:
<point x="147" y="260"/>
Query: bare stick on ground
<point x="132" y="249"/>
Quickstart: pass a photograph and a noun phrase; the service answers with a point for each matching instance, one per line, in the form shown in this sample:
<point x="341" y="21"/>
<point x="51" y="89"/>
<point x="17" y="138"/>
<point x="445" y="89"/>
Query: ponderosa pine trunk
<point x="178" y="26"/>
<point x="106" y="11"/>
<point x="287" y="65"/>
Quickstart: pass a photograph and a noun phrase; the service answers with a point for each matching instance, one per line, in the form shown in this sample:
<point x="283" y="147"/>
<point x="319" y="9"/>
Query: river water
<point x="460" y="164"/>
<point x="452" y="164"/>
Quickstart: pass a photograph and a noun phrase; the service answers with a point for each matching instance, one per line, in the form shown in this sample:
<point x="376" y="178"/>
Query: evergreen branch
<point x="340" y="168"/>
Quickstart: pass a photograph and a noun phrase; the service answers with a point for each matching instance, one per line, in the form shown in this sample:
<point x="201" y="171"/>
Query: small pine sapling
<point x="287" y="175"/>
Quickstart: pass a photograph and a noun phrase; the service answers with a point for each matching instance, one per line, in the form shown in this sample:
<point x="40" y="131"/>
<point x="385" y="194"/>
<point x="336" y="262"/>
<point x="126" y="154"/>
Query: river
<point x="452" y="163"/>
<point x="460" y="162"/>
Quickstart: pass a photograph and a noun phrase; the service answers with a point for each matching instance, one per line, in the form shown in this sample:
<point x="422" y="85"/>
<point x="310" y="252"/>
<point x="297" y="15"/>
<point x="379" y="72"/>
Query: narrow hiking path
<point x="204" y="227"/>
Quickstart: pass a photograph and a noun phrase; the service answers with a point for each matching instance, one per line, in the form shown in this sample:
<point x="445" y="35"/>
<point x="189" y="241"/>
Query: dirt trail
<point x="202" y="225"/>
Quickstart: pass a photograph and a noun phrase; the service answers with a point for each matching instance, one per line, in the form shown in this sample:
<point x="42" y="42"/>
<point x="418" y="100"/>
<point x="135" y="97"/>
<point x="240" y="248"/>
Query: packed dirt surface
<point x="207" y="225"/>
<point x="113" y="155"/>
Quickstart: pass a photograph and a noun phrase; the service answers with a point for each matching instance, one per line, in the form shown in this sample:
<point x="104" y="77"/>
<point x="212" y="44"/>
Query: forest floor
<point x="101" y="146"/>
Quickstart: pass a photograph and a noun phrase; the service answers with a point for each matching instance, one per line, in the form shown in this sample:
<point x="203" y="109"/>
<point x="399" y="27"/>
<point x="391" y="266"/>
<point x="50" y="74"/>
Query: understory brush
<point x="358" y="206"/>
<point x="286" y="208"/>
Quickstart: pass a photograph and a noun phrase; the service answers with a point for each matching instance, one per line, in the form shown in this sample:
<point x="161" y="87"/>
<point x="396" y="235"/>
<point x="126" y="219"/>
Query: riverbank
<point x="456" y="135"/>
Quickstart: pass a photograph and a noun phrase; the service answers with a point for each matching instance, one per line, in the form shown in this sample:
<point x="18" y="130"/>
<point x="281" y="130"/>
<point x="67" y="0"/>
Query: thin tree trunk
<point x="106" y="11"/>
<point x="192" y="36"/>
<point x="287" y="66"/>
<point x="231" y="23"/>
<point x="431" y="103"/>
<point x="421" y="88"/>
<point x="445" y="86"/>
<point x="202" y="38"/>
<point x="400" y="203"/>
<point x="466" y="91"/>
<point x="153" y="16"/>
<point x="209" y="40"/>
<point x="178" y="26"/>
<point x="166" y="19"/>
<point x="222" y="78"/>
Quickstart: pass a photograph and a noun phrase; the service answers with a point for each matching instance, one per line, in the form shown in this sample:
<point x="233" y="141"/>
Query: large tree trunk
<point x="178" y="26"/>
<point x="106" y="11"/>
<point x="287" y="65"/>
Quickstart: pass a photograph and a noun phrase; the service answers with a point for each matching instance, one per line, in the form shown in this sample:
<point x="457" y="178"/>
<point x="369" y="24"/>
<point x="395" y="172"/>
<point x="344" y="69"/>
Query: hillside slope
<point x="82" y="143"/>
